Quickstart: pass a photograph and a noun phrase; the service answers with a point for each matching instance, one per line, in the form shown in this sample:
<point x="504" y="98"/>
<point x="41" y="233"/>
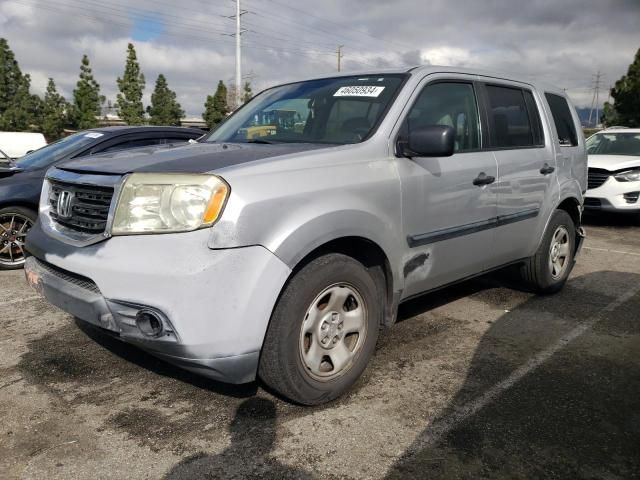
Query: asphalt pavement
<point x="480" y="380"/>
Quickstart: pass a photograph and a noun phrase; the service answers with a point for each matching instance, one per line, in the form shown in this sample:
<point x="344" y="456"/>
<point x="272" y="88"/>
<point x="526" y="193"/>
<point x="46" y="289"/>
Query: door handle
<point x="483" y="179"/>
<point x="547" y="169"/>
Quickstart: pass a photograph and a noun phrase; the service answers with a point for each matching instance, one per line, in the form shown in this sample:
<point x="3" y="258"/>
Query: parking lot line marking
<point x="612" y="251"/>
<point x="441" y="427"/>
<point x="20" y="300"/>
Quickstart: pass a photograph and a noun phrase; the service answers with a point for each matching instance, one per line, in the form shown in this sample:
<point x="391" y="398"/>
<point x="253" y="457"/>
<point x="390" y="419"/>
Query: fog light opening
<point x="149" y="323"/>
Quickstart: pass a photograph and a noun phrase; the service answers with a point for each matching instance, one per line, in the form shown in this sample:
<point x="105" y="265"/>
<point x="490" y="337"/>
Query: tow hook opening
<point x="149" y="323"/>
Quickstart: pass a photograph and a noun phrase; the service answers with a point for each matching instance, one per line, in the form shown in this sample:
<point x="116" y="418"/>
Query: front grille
<point x="597" y="176"/>
<point x="592" y="202"/>
<point x="631" y="197"/>
<point x="78" y="280"/>
<point x="89" y="206"/>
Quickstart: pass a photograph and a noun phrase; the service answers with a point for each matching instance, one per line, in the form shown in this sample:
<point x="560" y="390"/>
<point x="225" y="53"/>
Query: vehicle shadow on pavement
<point x="147" y="361"/>
<point x="575" y="415"/>
<point x="253" y="434"/>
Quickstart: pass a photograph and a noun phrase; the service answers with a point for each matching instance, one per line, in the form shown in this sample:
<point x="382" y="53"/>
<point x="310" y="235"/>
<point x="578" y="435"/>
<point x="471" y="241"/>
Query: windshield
<point x="53" y="152"/>
<point x="333" y="110"/>
<point x="614" y="144"/>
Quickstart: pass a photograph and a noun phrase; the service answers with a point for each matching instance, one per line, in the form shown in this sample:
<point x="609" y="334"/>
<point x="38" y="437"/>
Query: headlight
<point x="628" y="176"/>
<point x="167" y="202"/>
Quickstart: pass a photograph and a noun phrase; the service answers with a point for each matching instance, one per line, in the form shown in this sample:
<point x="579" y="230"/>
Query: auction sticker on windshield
<point x="359" y="91"/>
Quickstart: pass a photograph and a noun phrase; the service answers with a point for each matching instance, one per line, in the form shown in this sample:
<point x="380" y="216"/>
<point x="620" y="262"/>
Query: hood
<point x="614" y="162"/>
<point x="191" y="158"/>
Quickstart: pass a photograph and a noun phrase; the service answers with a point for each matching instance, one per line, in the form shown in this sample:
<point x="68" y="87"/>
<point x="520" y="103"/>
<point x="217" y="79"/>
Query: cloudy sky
<point x="563" y="42"/>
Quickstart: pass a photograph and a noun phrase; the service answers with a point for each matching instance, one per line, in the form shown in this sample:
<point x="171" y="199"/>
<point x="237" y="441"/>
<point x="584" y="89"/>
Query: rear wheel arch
<point x="571" y="205"/>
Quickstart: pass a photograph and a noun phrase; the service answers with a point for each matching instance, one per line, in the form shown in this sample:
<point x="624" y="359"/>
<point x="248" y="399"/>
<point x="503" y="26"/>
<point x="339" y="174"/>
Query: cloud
<point x="563" y="43"/>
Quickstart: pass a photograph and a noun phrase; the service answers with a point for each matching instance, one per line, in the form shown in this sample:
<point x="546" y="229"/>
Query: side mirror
<point x="431" y="141"/>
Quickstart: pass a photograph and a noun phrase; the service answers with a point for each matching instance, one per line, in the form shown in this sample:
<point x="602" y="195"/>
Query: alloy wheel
<point x="13" y="231"/>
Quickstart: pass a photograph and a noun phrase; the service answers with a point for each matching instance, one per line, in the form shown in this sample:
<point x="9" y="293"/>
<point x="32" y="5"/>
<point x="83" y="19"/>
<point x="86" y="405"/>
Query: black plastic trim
<point x="469" y="228"/>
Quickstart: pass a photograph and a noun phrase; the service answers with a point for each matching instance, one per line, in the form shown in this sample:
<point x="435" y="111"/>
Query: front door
<point x="448" y="203"/>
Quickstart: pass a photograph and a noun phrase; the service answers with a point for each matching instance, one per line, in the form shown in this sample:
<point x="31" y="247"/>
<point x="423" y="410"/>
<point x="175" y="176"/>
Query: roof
<point x="432" y="69"/>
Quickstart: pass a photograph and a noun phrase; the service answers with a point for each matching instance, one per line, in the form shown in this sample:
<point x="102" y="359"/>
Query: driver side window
<point x="452" y="104"/>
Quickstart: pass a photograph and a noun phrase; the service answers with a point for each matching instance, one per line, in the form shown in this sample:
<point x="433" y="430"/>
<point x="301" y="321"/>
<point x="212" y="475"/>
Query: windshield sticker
<point x="359" y="91"/>
<point x="93" y="135"/>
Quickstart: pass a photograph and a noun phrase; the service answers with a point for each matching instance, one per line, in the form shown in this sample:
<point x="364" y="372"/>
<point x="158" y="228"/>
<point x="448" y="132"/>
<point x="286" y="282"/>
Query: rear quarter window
<point x="563" y="120"/>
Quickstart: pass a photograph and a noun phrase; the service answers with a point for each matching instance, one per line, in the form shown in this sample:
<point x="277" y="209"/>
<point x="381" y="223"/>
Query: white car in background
<point x="17" y="144"/>
<point x="614" y="171"/>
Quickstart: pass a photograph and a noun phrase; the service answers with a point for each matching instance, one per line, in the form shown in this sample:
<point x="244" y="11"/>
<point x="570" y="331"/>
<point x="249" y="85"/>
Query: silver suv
<point x="279" y="245"/>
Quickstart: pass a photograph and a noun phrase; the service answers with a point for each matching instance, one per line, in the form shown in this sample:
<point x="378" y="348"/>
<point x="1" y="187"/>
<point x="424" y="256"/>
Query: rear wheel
<point x="323" y="330"/>
<point x="15" y="223"/>
<point x="547" y="271"/>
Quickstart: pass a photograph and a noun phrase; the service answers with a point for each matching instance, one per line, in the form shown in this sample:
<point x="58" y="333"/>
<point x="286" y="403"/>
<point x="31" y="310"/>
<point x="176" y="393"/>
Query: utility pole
<point x="238" y="35"/>
<point x="340" y="54"/>
<point x="595" y="102"/>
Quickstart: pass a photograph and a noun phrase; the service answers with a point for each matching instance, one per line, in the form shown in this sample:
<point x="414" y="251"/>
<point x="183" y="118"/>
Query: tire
<point x="540" y="272"/>
<point x="15" y="223"/>
<point x="311" y="353"/>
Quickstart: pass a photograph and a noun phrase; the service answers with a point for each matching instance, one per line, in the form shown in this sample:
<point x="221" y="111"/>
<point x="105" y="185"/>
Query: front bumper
<point x="215" y="304"/>
<point x="614" y="196"/>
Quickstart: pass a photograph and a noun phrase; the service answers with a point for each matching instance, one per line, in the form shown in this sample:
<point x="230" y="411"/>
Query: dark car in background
<point x="21" y="182"/>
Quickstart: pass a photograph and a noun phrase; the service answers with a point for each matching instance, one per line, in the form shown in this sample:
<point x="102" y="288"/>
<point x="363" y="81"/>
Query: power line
<point x="305" y="29"/>
<point x="348" y="28"/>
<point x="106" y="20"/>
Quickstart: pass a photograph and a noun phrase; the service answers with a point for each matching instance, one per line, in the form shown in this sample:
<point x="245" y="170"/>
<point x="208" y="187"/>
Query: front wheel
<point x="15" y="223"/>
<point x="323" y="330"/>
<point x="547" y="271"/>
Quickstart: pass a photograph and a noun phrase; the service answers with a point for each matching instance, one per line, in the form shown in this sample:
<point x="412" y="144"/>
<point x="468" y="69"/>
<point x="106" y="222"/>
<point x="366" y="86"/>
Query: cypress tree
<point x="216" y="108"/>
<point x="131" y="85"/>
<point x="164" y="109"/>
<point x="86" y="98"/>
<point x="54" y="112"/>
<point x="19" y="109"/>
<point x="248" y="92"/>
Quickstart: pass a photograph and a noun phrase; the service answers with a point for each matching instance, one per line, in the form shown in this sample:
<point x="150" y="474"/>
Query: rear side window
<point x="509" y="118"/>
<point x="563" y="120"/>
<point x="127" y="144"/>
<point x="172" y="140"/>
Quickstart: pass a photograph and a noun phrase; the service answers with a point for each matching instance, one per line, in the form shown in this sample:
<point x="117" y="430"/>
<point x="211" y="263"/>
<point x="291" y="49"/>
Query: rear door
<point x="447" y="218"/>
<point x="526" y="168"/>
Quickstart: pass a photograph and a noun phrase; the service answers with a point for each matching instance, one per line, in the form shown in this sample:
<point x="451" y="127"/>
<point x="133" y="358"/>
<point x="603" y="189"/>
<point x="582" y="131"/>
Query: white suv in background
<point x="614" y="170"/>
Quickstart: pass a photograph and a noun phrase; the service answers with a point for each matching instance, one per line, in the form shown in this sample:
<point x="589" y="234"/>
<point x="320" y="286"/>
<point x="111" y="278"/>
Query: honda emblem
<point x="64" y="204"/>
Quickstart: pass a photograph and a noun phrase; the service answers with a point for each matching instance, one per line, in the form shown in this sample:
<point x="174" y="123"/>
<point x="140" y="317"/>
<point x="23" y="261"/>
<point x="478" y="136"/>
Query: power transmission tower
<point x="595" y="102"/>
<point x="238" y="35"/>
<point x="340" y="54"/>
